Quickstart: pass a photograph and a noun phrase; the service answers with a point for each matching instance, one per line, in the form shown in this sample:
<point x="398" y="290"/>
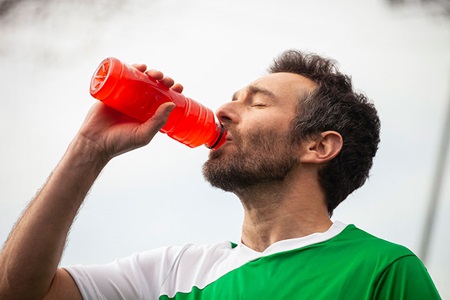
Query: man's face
<point x="260" y="147"/>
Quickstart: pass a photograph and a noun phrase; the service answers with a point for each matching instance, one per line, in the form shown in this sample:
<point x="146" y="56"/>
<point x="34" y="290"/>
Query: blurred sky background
<point x="155" y="196"/>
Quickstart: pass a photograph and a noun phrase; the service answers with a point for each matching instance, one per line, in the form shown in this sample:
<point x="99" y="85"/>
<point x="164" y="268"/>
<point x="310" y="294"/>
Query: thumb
<point x="146" y="131"/>
<point x="161" y="115"/>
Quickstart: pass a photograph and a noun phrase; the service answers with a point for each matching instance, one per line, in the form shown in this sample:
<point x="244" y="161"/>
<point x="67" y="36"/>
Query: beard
<point x="267" y="157"/>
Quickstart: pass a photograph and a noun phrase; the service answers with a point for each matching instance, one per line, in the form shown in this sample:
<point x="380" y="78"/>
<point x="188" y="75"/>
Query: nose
<point x="228" y="113"/>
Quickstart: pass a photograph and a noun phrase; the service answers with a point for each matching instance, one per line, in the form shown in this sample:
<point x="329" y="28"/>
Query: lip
<point x="228" y="138"/>
<point x="227" y="141"/>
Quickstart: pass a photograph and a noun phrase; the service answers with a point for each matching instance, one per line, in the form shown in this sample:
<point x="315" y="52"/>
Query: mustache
<point x="232" y="134"/>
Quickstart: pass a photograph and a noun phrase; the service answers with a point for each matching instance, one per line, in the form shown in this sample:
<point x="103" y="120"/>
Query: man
<point x="300" y="140"/>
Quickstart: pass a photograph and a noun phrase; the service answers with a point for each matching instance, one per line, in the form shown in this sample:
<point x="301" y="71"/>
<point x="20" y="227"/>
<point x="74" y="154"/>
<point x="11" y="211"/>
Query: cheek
<point x="274" y="127"/>
<point x="266" y="127"/>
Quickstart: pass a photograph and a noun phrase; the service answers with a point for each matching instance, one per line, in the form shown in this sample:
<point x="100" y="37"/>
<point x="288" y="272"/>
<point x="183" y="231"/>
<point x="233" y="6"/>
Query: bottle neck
<point x="220" y="139"/>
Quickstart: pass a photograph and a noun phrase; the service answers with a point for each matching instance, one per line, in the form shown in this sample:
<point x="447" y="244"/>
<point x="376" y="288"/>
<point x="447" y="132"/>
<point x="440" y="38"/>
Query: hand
<point x="158" y="75"/>
<point x="107" y="133"/>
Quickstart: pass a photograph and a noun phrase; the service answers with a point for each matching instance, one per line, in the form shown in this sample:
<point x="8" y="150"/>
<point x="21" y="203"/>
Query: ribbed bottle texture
<point x="135" y="94"/>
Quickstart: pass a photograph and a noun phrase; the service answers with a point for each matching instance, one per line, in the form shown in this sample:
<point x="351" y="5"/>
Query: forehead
<point x="285" y="85"/>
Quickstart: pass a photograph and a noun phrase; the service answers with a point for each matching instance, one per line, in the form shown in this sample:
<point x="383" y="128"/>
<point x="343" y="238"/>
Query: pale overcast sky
<point x="156" y="195"/>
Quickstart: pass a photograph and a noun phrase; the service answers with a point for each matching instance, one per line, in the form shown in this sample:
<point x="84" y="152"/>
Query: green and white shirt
<point x="341" y="263"/>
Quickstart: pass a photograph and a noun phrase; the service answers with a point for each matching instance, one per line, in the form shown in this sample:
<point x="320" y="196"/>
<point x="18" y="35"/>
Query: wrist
<point x="83" y="152"/>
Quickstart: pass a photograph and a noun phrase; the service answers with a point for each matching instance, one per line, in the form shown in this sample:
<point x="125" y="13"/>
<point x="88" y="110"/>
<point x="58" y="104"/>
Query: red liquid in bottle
<point x="137" y="95"/>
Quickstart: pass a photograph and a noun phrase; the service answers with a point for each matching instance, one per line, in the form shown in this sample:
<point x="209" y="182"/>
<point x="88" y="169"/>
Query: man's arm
<point x="30" y="257"/>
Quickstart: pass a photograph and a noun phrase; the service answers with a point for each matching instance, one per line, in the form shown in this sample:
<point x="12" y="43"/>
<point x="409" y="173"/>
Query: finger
<point x="140" y="67"/>
<point x="155" y="74"/>
<point x="167" y="81"/>
<point x="177" y="87"/>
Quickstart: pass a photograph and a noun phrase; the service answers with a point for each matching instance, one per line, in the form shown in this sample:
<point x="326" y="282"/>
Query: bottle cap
<point x="105" y="78"/>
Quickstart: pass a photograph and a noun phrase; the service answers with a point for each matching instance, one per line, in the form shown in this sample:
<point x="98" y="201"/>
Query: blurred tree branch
<point x="6" y="6"/>
<point x="38" y="9"/>
<point x="442" y="6"/>
<point x="10" y="8"/>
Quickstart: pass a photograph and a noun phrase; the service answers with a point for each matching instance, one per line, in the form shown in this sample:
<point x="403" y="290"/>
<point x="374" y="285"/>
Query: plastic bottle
<point x="137" y="95"/>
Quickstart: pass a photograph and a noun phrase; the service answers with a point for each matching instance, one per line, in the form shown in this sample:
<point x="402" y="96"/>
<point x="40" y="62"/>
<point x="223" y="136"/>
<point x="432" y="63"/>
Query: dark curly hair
<point x="334" y="105"/>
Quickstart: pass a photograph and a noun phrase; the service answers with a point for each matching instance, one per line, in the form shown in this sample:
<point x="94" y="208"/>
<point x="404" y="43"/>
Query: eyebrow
<point x="253" y="89"/>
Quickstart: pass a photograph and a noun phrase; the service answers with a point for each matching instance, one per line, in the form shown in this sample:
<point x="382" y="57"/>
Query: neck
<point x="282" y="210"/>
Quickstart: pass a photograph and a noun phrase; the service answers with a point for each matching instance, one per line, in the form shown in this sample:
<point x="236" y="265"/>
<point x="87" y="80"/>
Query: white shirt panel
<point x="169" y="270"/>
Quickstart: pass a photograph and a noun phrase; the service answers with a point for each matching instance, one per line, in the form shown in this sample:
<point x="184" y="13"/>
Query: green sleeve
<point x="406" y="278"/>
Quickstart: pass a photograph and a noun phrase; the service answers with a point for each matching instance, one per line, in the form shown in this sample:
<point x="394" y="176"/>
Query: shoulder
<point x="142" y="275"/>
<point x="194" y="252"/>
<point x="360" y="249"/>
<point x="394" y="269"/>
<point x="361" y="240"/>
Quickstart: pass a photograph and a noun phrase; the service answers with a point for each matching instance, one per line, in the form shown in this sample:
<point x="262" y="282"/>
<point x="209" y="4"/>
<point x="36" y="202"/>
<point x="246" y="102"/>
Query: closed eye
<point x="258" y="105"/>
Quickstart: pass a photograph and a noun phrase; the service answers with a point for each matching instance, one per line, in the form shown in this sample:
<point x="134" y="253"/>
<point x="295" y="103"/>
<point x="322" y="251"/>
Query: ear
<point x="323" y="148"/>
